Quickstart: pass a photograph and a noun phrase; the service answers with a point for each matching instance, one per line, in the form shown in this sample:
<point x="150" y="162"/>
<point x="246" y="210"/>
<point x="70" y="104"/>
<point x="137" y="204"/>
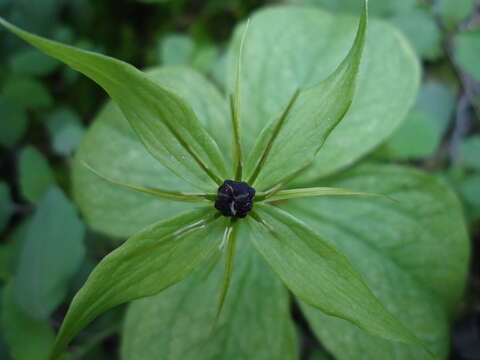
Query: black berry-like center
<point x="235" y="198"/>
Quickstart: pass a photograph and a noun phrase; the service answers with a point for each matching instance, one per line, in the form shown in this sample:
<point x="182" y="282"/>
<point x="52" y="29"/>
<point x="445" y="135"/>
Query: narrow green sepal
<point x="158" y="193"/>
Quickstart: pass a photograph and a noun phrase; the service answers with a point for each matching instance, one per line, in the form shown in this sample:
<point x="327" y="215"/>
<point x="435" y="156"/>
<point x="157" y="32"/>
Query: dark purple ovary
<point x="235" y="198"/>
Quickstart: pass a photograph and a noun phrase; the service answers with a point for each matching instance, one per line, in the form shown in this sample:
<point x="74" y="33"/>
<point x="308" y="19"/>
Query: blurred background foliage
<point x="46" y="250"/>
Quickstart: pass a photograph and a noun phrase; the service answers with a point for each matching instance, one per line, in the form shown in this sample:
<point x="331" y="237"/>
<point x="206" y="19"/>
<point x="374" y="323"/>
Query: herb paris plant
<point x="167" y="251"/>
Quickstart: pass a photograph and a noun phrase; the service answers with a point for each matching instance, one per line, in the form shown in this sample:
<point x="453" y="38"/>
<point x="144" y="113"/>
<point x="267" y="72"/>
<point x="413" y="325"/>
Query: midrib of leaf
<point x="276" y="131"/>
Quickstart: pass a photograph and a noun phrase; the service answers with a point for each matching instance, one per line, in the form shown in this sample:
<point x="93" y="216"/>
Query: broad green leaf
<point x="13" y="122"/>
<point x="121" y="212"/>
<point x="378" y="8"/>
<point x="469" y="151"/>
<point x="421" y="133"/>
<point x="417" y="137"/>
<point x="176" y="49"/>
<point x="469" y="189"/>
<point x="5" y="253"/>
<point x="36" y="177"/>
<point x="467" y="52"/>
<point x="177" y="324"/>
<point x="422" y="31"/>
<point x="288" y="144"/>
<point x="277" y="62"/>
<point x="52" y="252"/>
<point x="454" y="11"/>
<point x="39" y="16"/>
<point x="65" y="129"/>
<point x="165" y="123"/>
<point x="11" y="249"/>
<point x="16" y="88"/>
<point x="205" y="58"/>
<point x="4" y="351"/>
<point x="437" y="99"/>
<point x="6" y="205"/>
<point x="318" y="355"/>
<point x="412" y="253"/>
<point x="319" y="274"/>
<point x="27" y="337"/>
<point x="150" y="261"/>
<point x="32" y="62"/>
<point x="155" y="1"/>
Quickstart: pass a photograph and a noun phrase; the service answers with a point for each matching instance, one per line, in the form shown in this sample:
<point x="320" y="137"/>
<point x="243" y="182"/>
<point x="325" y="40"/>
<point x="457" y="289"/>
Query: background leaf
<point x="13" y="122"/>
<point x="413" y="255"/>
<point x="32" y="62"/>
<point x="417" y="137"/>
<point x="422" y="131"/>
<point x="422" y="31"/>
<point x="454" y="11"/>
<point x="176" y="49"/>
<point x="377" y="8"/>
<point x="36" y="177"/>
<point x="467" y="51"/>
<point x="15" y="89"/>
<point x="19" y="326"/>
<point x="6" y="205"/>
<point x="65" y="129"/>
<point x="176" y="323"/>
<point x="51" y="254"/>
<point x="469" y="151"/>
<point x="122" y="212"/>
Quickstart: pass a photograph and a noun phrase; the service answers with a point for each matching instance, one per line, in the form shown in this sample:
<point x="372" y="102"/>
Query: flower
<point x="167" y="251"/>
